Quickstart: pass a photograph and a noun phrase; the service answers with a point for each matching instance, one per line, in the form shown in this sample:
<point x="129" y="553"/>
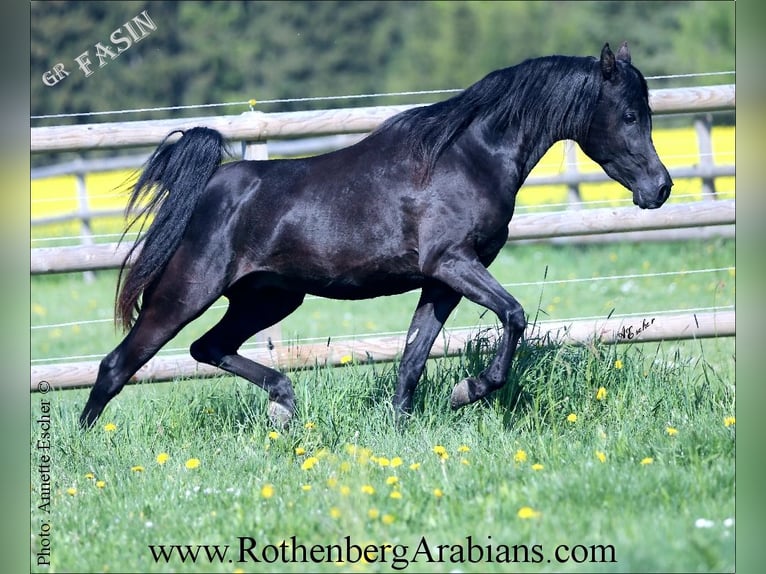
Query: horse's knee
<point x="516" y="320"/>
<point x="203" y="352"/>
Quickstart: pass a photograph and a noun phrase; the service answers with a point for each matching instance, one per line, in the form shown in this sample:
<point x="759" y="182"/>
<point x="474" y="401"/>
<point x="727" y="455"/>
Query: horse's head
<point x="620" y="134"/>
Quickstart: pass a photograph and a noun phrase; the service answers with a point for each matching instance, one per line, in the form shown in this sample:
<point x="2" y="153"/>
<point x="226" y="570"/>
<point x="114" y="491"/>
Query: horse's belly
<point x="366" y="288"/>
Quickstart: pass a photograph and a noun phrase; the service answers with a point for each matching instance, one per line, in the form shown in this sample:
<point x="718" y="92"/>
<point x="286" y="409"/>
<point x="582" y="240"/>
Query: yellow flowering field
<point x="676" y="147"/>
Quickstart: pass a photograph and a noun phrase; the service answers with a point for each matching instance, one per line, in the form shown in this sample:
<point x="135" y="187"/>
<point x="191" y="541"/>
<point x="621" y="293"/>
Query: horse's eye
<point x="629" y="118"/>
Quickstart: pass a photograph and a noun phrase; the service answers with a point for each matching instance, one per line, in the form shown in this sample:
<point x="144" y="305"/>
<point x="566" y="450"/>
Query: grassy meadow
<point x="591" y="459"/>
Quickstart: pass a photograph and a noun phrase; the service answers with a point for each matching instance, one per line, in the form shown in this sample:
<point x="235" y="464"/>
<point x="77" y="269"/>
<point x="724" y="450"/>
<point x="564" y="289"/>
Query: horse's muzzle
<point x="653" y="200"/>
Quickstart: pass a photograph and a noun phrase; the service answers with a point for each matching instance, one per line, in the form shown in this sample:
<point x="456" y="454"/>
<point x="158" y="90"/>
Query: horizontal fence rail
<point x="260" y="126"/>
<point x="523" y="227"/>
<point x="566" y="178"/>
<point x="387" y="348"/>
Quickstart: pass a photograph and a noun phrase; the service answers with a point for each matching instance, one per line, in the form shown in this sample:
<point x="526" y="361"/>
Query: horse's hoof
<point x="279" y="414"/>
<point x="461" y="394"/>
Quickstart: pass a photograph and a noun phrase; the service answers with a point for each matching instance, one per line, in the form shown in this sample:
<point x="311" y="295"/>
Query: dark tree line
<point x="213" y="52"/>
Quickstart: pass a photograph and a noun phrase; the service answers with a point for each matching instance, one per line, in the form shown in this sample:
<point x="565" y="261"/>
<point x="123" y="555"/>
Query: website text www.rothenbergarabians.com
<point x="470" y="550"/>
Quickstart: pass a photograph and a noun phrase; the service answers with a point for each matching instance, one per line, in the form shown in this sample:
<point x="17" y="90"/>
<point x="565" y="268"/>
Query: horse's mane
<point x="549" y="95"/>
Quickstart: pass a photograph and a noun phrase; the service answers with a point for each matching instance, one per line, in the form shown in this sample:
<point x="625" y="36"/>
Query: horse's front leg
<point x="464" y="272"/>
<point x="434" y="307"/>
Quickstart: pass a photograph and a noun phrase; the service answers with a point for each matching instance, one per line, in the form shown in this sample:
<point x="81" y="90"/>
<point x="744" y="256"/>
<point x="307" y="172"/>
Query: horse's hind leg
<point x="249" y="312"/>
<point x="166" y="310"/>
<point x="436" y="303"/>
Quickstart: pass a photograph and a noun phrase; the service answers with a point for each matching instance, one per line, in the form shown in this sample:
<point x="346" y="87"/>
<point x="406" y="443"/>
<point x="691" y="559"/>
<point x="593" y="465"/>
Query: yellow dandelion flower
<point x="71" y="491"/>
<point x="332" y="482"/>
<point x="309" y="463"/>
<point x="373" y="513"/>
<point x="335" y="512"/>
<point x="520" y="456"/>
<point x="309" y="425"/>
<point x="647" y="460"/>
<point x="305" y="487"/>
<point x="415" y="466"/>
<point x="267" y="490"/>
<point x="299" y="450"/>
<point x="346" y="490"/>
<point x="100" y="484"/>
<point x="388" y="519"/>
<point x="463" y="448"/>
<point x="383" y="461"/>
<point x="618" y="364"/>
<point x="572" y="418"/>
<point x="346" y="359"/>
<point x="345" y="466"/>
<point x="137" y="468"/>
<point x="600" y="456"/>
<point x="392" y="480"/>
<point x="90" y="475"/>
<point x="162" y="458"/>
<point x="38" y="309"/>
<point x="273" y="435"/>
<point x="729" y="421"/>
<point x="537" y="466"/>
<point x="440" y="450"/>
<point x="396" y="461"/>
<point x="192" y="463"/>
<point x="110" y="427"/>
<point x="600" y="394"/>
<point x="465" y="462"/>
<point x="368" y="489"/>
<point x="438" y="492"/>
<point x="395" y="494"/>
<point x="527" y="512"/>
<point x="671" y="431"/>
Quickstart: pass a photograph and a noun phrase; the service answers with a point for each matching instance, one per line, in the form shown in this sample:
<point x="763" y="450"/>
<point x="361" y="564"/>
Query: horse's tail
<point x="173" y="179"/>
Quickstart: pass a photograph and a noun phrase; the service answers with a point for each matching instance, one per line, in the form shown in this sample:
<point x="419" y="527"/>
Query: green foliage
<point x="213" y="52"/>
<point x="331" y="474"/>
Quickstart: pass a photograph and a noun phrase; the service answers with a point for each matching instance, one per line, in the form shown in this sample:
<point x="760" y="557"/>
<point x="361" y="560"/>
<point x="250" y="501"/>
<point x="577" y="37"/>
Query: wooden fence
<point x="254" y="129"/>
<point x="380" y="349"/>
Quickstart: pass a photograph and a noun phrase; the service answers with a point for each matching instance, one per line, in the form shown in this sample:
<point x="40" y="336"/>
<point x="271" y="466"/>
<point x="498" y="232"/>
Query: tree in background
<point x="214" y="52"/>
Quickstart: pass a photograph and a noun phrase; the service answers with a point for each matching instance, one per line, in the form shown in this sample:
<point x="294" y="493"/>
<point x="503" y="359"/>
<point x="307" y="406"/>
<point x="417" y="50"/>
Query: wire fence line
<point x="542" y="282"/>
<point x="252" y="102"/>
<point x="165" y="351"/>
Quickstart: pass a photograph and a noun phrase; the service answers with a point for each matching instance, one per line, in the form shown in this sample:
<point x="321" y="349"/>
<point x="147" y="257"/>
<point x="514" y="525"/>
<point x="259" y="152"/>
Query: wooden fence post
<point x="258" y="150"/>
<point x="85" y="228"/>
<point x="703" y="125"/>
<point x="570" y="167"/>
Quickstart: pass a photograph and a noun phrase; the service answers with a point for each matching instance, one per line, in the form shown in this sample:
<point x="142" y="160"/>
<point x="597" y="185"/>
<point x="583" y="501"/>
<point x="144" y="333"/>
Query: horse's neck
<point x="510" y="158"/>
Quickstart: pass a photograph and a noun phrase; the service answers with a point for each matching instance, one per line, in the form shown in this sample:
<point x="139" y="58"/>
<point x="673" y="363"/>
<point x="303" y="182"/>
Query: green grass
<point x="646" y="514"/>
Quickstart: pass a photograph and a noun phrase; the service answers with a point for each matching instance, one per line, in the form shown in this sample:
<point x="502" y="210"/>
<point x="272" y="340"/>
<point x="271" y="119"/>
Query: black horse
<point x="423" y="202"/>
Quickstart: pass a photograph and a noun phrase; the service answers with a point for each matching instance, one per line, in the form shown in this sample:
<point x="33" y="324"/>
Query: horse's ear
<point x="623" y="53"/>
<point x="608" y="66"/>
